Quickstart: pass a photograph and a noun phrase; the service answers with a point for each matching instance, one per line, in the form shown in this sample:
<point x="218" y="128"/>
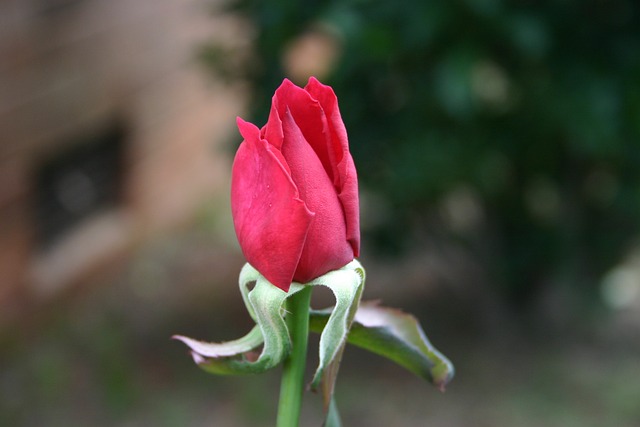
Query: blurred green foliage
<point x="511" y="127"/>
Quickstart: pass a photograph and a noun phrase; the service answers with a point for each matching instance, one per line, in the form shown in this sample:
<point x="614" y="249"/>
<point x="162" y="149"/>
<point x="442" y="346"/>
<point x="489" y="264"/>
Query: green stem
<point x="292" y="385"/>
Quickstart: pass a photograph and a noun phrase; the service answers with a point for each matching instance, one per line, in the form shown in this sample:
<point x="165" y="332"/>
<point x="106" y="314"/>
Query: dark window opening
<point x="53" y="7"/>
<point x="79" y="182"/>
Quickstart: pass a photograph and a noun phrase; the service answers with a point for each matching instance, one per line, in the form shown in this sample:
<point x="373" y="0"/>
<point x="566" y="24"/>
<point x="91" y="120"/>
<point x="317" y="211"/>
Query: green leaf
<point x="395" y="335"/>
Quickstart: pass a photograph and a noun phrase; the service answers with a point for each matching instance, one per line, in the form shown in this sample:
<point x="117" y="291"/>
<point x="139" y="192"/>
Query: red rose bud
<point x="294" y="188"/>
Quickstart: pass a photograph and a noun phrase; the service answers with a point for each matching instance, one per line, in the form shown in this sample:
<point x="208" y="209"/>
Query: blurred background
<point x="498" y="150"/>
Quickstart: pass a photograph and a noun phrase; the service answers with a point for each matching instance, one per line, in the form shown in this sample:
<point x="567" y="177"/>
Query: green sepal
<point x="333" y="415"/>
<point x="395" y="335"/>
<point x="265" y="305"/>
<point x="249" y="342"/>
<point x="346" y="284"/>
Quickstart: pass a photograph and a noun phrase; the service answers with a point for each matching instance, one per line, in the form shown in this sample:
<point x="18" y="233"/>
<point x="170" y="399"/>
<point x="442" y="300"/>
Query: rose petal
<point x="311" y="120"/>
<point x="270" y="219"/>
<point x="346" y="178"/>
<point x="350" y="200"/>
<point x="272" y="131"/>
<point x="328" y="248"/>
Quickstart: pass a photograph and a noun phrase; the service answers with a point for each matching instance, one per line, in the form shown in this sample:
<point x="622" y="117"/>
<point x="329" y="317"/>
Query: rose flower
<point x="294" y="188"/>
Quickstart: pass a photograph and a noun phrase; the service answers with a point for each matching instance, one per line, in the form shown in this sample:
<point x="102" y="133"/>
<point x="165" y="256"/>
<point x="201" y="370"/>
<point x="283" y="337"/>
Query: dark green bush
<point x="527" y="113"/>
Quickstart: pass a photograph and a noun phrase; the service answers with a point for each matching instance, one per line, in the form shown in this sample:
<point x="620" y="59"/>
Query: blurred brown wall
<point x="69" y="70"/>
